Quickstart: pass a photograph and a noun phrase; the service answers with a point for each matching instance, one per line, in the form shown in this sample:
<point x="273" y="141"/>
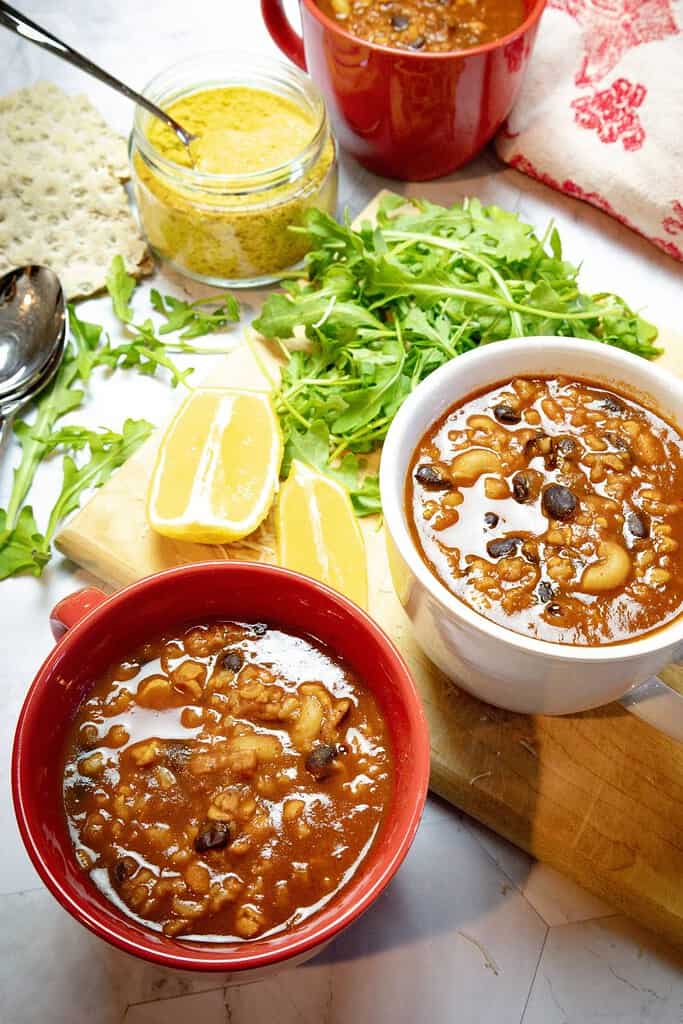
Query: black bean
<point x="567" y="447"/>
<point x="80" y="790"/>
<point x="491" y="520"/>
<point x="638" y="525"/>
<point x="532" y="448"/>
<point x="232" y="661"/>
<point x="503" y="547"/>
<point x="320" y="761"/>
<point x="559" y="502"/>
<point x="554" y="608"/>
<point x="417" y="43"/>
<point x="521" y="488"/>
<point x="530" y="552"/>
<point x="213" y="835"/>
<point x="617" y="441"/>
<point x="431" y="478"/>
<point x="505" y="413"/>
<point x="259" y="628"/>
<point x="612" y="404"/>
<point x="399" y="22"/>
<point x="124" y="867"/>
<point x="545" y="592"/>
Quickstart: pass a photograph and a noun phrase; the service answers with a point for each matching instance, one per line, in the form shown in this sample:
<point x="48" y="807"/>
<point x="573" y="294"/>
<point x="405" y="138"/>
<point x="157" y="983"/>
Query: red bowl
<point x="402" y="113"/>
<point x="97" y="630"/>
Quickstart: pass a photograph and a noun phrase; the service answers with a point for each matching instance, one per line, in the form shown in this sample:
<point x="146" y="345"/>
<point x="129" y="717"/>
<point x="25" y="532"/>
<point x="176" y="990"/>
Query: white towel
<point x="600" y="115"/>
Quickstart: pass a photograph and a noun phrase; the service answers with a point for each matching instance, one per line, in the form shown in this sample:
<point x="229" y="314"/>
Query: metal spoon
<point x="32" y="335"/>
<point x="27" y="29"/>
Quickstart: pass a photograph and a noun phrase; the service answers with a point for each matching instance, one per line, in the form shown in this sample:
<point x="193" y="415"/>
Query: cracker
<point x="62" y="199"/>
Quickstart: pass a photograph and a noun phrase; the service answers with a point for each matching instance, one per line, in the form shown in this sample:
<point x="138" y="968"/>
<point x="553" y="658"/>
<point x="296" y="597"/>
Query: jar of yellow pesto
<point x="222" y="209"/>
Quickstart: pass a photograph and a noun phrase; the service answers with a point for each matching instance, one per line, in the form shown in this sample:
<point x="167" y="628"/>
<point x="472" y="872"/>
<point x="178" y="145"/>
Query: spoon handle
<point x="27" y="29"/>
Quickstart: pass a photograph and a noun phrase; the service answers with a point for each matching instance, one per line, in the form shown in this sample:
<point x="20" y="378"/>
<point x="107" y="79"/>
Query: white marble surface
<point x="471" y="930"/>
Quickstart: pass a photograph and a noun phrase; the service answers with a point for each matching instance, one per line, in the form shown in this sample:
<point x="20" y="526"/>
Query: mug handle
<point x="658" y="704"/>
<point x="73" y="608"/>
<point x="282" y="33"/>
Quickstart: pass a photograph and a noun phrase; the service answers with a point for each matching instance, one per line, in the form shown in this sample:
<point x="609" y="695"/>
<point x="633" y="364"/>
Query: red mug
<point x="94" y="631"/>
<point x="404" y="114"/>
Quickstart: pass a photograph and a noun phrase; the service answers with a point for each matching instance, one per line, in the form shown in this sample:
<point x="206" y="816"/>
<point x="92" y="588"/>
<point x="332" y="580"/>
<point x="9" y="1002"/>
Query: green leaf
<point x="383" y="306"/>
<point x="74" y="438"/>
<point x="22" y="548"/>
<point x="366" y="500"/>
<point x="195" y="319"/>
<point x="120" y="286"/>
<point x="85" y="338"/>
<point x="313" y="448"/>
<point x="53" y="403"/>
<point x="106" y="455"/>
<point x="145" y="353"/>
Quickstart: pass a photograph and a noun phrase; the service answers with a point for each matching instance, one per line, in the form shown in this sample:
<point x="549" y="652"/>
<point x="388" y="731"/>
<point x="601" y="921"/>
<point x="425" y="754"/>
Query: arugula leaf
<point x="107" y="453"/>
<point x="61" y="397"/>
<point x="384" y="305"/>
<point x="144" y="353"/>
<point x="191" y="317"/>
<point x="120" y="286"/>
<point x="143" y="350"/>
<point x="74" y="438"/>
<point x="366" y="499"/>
<point x="85" y="339"/>
<point x="22" y="547"/>
<point x="313" y="448"/>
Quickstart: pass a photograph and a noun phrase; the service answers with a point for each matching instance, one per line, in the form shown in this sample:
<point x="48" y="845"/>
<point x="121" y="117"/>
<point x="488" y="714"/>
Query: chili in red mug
<point x="412" y="114"/>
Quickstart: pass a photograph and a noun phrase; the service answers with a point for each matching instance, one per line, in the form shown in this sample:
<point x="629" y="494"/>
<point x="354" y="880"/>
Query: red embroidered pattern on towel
<point x="570" y="188"/>
<point x="611" y="109"/>
<point x="611" y="27"/>
<point x="612" y="113"/>
<point x="673" y="224"/>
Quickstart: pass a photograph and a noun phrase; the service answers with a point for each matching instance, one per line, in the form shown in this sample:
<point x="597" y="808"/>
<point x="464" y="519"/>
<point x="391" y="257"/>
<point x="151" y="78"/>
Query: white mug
<point x="492" y="662"/>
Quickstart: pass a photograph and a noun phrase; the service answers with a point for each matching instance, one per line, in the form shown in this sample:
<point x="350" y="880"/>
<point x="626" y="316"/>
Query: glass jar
<point x="231" y="229"/>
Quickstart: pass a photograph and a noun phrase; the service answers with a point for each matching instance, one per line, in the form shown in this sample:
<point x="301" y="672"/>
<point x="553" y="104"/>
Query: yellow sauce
<point x="215" y="230"/>
<point x="239" y="130"/>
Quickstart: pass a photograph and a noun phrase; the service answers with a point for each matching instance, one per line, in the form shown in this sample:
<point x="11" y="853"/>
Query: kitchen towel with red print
<point x="600" y="115"/>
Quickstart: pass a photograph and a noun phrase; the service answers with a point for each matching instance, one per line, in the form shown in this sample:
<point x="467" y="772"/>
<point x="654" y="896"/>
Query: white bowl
<point x="497" y="664"/>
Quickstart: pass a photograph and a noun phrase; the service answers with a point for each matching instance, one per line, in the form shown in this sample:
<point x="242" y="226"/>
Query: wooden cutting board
<point x="598" y="795"/>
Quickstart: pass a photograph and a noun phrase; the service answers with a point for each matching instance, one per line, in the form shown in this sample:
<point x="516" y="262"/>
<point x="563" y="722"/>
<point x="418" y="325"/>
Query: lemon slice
<point x="217" y="469"/>
<point x="318" y="533"/>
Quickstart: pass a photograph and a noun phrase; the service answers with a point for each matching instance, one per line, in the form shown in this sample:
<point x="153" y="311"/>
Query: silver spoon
<point x="32" y="335"/>
<point x="27" y="29"/>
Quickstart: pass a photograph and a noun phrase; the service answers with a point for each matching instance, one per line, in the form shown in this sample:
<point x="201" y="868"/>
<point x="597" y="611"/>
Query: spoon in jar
<point x="27" y="29"/>
<point x="32" y="335"/>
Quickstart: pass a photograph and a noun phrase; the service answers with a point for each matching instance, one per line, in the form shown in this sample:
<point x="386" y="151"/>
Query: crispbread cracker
<point x="62" y="200"/>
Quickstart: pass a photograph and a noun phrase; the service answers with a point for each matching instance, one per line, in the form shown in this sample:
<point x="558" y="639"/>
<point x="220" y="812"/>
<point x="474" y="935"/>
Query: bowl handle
<point x="658" y="704"/>
<point x="289" y="41"/>
<point x="73" y="608"/>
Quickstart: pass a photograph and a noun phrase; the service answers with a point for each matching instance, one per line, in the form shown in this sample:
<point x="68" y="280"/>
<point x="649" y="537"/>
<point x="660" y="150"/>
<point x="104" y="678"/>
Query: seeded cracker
<point x="62" y="200"/>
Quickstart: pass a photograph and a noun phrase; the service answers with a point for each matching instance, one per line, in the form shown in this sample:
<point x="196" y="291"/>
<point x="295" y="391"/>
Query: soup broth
<point x="555" y="508"/>
<point x="430" y="25"/>
<point x="226" y="782"/>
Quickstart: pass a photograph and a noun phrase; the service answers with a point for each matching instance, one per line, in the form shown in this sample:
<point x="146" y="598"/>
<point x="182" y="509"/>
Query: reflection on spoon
<point x="32" y="335"/>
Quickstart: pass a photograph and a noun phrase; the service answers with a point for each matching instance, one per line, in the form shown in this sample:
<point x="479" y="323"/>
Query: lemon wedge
<point x="217" y="468"/>
<point x="318" y="533"/>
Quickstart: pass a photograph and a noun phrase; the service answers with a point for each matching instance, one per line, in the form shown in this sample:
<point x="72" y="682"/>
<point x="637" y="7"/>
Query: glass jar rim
<point x="244" y="69"/>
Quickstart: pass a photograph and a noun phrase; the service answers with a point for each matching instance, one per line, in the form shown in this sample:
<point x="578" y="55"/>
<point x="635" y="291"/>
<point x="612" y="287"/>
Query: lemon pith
<point x="318" y="533"/>
<point x="217" y="467"/>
